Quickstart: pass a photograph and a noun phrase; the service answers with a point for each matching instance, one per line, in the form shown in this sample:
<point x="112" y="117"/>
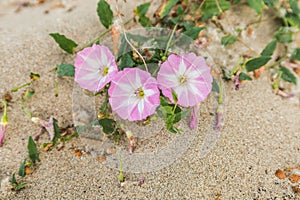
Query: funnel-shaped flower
<point x="3" y="124"/>
<point x="188" y="75"/>
<point x="134" y="94"/>
<point x="3" y="127"/>
<point x="94" y="67"/>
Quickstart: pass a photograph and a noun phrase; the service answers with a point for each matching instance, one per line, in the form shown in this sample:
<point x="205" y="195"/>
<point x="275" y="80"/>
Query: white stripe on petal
<point x="149" y="92"/>
<point x="89" y="76"/>
<point x="141" y="107"/>
<point x="193" y="89"/>
<point x="181" y="68"/>
<point x="90" y="63"/>
<point x="104" y="60"/>
<point x="125" y="87"/>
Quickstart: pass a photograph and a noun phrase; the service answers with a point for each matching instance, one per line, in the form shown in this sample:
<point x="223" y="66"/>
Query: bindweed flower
<point x="236" y="82"/>
<point x="188" y="75"/>
<point x="134" y="94"/>
<point x="94" y="67"/>
<point x="45" y="125"/>
<point x="3" y="124"/>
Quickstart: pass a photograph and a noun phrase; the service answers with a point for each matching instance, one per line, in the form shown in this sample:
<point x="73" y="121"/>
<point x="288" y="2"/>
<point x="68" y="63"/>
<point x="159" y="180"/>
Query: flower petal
<point x="89" y="66"/>
<point x="197" y="82"/>
<point x="124" y="98"/>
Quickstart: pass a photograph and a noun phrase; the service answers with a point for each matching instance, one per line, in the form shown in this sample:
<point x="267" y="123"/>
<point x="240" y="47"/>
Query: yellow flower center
<point x="182" y="79"/>
<point x="140" y="93"/>
<point x="105" y="71"/>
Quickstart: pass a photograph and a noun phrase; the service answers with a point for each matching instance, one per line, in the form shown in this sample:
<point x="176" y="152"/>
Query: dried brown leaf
<point x="294" y="178"/>
<point x="296" y="189"/>
<point x="77" y="153"/>
<point x="280" y="174"/>
<point x="259" y="72"/>
<point x="27" y="170"/>
<point x="101" y="159"/>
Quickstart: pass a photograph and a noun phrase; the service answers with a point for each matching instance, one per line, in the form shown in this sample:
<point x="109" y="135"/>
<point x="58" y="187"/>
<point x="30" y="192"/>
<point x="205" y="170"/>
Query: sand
<point x="260" y="135"/>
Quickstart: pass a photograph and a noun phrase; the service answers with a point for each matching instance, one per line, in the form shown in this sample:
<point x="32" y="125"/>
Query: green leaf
<point x="104" y="106"/>
<point x="124" y="47"/>
<point x="228" y="39"/>
<point x="287" y="75"/>
<point x="65" y="70"/>
<point x="187" y="25"/>
<point x="243" y="76"/>
<point x="257" y="5"/>
<point x="166" y="8"/>
<point x="269" y="3"/>
<point x="108" y="125"/>
<point x="284" y="35"/>
<point x="164" y="111"/>
<point x="180" y="11"/>
<point x="56" y="132"/>
<point x="174" y="96"/>
<point x="34" y="76"/>
<point x="14" y="180"/>
<point x="269" y="49"/>
<point x="142" y="9"/>
<point x="105" y="13"/>
<point x="296" y="54"/>
<point x="256" y="63"/>
<point x="193" y="32"/>
<point x="214" y="8"/>
<point x="294" y="6"/>
<point x="292" y="19"/>
<point x="66" y="44"/>
<point x="20" y="186"/>
<point x="29" y="93"/>
<point x="181" y="115"/>
<point x="145" y="21"/>
<point x="215" y="86"/>
<point x="126" y="61"/>
<point x="22" y="172"/>
<point x="32" y="150"/>
<point x="163" y="101"/>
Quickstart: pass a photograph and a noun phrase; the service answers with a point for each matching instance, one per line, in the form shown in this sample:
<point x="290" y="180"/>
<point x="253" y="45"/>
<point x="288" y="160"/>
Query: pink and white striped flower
<point x="188" y="75"/>
<point x="3" y="124"/>
<point x="134" y="94"/>
<point x="94" y="67"/>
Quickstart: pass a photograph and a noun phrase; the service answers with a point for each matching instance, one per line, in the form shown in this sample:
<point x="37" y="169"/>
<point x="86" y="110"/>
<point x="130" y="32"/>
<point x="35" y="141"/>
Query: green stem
<point x="121" y="177"/>
<point x="28" y="114"/>
<point x="21" y="86"/>
<point x="4" y="118"/>
<point x="219" y="7"/>
<point x="277" y="80"/>
<point x="56" y="88"/>
<point x="101" y="36"/>
<point x="277" y="62"/>
<point x="174" y="108"/>
<point x="170" y="39"/>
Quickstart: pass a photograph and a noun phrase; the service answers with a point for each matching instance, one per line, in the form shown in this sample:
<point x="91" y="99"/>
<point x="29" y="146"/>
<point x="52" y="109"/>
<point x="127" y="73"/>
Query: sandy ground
<point x="261" y="132"/>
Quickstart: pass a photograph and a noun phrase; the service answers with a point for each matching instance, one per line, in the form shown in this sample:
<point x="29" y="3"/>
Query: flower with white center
<point x="94" y="67"/>
<point x="188" y="76"/>
<point x="134" y="94"/>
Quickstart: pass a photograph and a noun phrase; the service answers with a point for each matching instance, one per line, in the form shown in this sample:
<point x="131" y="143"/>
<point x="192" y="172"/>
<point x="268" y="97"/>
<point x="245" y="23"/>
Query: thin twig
<point x="170" y="39"/>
